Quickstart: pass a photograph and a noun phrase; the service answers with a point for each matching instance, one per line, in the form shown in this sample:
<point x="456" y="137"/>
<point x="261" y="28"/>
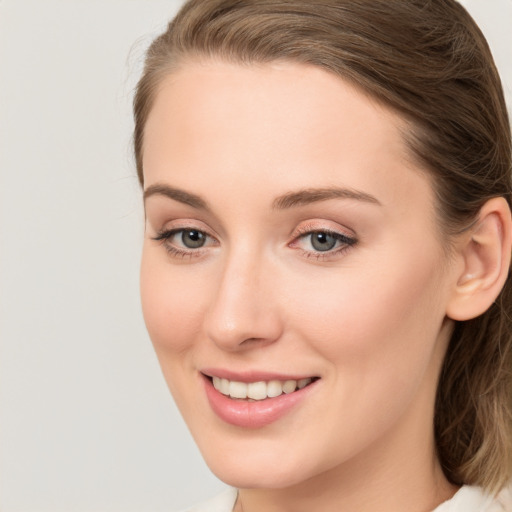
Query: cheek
<point x="172" y="313"/>
<point x="378" y="332"/>
<point x="377" y="321"/>
<point x="169" y="304"/>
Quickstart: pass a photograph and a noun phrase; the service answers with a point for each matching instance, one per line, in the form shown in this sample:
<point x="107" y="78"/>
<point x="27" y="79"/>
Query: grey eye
<point x="322" y="241"/>
<point x="192" y="238"/>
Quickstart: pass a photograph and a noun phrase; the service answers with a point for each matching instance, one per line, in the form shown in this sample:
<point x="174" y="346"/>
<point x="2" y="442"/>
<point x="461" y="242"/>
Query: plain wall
<point x="86" y="421"/>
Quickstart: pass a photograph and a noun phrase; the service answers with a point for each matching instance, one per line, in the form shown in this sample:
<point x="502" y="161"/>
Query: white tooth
<point x="274" y="388"/>
<point x="302" y="383"/>
<point x="237" y="389"/>
<point x="224" y="386"/>
<point x="216" y="383"/>
<point x="289" y="386"/>
<point x="257" y="390"/>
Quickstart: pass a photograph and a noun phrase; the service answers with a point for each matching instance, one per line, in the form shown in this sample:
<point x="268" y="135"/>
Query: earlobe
<point x="484" y="252"/>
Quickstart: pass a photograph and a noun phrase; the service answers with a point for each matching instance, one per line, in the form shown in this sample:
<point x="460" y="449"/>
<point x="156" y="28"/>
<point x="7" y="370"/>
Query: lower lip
<point x="257" y="414"/>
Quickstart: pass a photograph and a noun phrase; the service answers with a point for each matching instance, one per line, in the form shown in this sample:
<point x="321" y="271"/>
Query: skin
<point x="368" y="318"/>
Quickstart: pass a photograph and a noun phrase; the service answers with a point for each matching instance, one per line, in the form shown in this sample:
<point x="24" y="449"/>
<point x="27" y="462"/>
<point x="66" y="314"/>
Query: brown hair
<point x="429" y="61"/>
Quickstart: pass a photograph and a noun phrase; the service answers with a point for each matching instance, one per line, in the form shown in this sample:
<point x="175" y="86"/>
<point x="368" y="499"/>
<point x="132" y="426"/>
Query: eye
<point x="185" y="241"/>
<point x="322" y="243"/>
<point x="192" y="238"/>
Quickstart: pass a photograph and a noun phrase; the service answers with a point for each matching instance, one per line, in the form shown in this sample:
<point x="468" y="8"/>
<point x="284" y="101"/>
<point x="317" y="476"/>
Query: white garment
<point x="222" y="503"/>
<point x="467" y="499"/>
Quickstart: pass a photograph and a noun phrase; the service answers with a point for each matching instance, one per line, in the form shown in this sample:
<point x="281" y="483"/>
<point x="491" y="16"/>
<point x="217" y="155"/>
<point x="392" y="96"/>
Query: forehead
<point x="273" y="123"/>
<point x="295" y="98"/>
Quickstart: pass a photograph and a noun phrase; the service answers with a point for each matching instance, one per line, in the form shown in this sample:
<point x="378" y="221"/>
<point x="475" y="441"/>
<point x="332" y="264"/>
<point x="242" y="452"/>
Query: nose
<point x="243" y="312"/>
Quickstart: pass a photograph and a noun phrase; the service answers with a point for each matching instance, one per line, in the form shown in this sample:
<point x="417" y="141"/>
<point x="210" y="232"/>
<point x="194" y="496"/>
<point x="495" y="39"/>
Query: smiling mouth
<point x="261" y="390"/>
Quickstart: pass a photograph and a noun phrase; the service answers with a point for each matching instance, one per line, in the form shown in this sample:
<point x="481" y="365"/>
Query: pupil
<point x="323" y="241"/>
<point x="193" y="239"/>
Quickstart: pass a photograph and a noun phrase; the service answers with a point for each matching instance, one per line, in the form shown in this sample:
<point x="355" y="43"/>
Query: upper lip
<point x="253" y="375"/>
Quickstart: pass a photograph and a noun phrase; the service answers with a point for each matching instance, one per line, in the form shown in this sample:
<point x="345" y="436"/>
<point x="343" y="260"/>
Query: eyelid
<point x="165" y="235"/>
<point x="169" y="224"/>
<point x="323" y="226"/>
<point x="347" y="240"/>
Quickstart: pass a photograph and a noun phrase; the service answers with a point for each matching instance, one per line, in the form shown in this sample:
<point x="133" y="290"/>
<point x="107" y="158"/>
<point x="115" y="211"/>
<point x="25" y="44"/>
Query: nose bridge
<point x="242" y="308"/>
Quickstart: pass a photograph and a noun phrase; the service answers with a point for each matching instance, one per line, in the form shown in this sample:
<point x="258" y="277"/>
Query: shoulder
<point x="505" y="499"/>
<point x="223" y="502"/>
<point x="474" y="499"/>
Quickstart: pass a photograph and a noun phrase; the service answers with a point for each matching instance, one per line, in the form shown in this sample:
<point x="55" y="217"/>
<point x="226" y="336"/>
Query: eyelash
<point x="346" y="241"/>
<point x="165" y="236"/>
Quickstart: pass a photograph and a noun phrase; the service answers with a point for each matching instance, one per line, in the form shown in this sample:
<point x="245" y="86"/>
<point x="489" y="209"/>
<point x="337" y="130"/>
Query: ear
<point x="484" y="252"/>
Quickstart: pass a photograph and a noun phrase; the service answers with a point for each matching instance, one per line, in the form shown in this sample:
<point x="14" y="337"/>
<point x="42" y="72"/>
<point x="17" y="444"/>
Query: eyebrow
<point x="313" y="195"/>
<point x="177" y="194"/>
<point x="283" y="202"/>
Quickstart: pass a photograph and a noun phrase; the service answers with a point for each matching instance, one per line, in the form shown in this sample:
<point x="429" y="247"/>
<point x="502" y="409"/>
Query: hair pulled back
<point x="427" y="60"/>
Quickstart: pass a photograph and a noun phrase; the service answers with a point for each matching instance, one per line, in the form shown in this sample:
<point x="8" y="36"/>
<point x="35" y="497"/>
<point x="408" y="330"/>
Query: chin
<point x="257" y="468"/>
<point x="257" y="478"/>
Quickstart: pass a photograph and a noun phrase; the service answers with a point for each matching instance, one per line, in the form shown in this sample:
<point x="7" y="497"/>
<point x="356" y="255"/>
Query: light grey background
<point x="86" y="421"/>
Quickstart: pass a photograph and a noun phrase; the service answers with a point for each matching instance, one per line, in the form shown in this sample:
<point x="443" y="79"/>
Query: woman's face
<point x="291" y="253"/>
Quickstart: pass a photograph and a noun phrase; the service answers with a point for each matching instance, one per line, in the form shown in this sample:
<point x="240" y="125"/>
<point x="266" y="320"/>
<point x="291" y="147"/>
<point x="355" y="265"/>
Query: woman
<point x="328" y="236"/>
